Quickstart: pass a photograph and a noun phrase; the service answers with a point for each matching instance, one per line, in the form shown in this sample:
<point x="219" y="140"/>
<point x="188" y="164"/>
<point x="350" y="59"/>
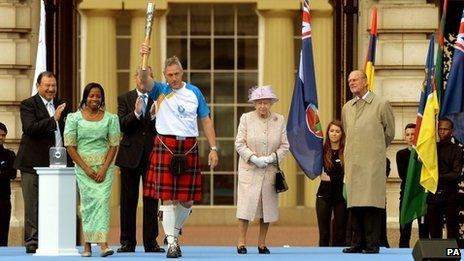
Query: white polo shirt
<point x="177" y="110"/>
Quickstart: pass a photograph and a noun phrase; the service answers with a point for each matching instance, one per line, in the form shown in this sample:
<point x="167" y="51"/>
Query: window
<point x="123" y="44"/>
<point x="218" y="47"/>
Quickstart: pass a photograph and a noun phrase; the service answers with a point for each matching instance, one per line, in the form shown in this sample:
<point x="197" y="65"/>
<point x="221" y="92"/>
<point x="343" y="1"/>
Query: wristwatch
<point x="214" y="148"/>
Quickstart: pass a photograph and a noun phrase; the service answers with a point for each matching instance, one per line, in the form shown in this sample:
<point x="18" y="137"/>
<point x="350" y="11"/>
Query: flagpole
<point x="369" y="64"/>
<point x="41" y="58"/>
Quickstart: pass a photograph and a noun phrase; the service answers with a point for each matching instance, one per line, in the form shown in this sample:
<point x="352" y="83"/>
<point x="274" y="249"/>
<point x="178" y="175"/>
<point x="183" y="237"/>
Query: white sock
<point x="168" y="221"/>
<point x="182" y="214"/>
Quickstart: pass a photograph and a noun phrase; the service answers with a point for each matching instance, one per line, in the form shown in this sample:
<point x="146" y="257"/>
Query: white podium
<point x="57" y="212"/>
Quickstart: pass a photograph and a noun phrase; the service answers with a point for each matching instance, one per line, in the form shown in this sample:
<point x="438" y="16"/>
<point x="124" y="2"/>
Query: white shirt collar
<point x="183" y="86"/>
<point x="364" y="96"/>
<point x="45" y="101"/>
<point x="140" y="93"/>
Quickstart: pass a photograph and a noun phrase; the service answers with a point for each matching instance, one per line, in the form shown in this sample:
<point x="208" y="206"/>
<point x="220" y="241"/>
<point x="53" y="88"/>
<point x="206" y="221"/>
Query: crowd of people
<point x="153" y="138"/>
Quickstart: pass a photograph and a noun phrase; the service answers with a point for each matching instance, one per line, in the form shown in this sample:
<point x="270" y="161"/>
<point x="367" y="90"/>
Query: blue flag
<point x="304" y="128"/>
<point x="453" y="97"/>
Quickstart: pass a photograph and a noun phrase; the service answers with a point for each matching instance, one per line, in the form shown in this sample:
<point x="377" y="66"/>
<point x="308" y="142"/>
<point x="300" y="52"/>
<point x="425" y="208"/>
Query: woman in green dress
<point x="91" y="136"/>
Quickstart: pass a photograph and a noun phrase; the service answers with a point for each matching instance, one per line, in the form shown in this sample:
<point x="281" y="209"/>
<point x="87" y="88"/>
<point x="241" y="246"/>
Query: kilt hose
<point x="160" y="183"/>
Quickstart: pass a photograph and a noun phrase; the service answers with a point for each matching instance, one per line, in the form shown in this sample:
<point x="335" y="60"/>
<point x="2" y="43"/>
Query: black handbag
<point x="280" y="183"/>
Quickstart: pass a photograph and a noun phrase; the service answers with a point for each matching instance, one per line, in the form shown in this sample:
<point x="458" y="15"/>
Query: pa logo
<point x="454" y="251"/>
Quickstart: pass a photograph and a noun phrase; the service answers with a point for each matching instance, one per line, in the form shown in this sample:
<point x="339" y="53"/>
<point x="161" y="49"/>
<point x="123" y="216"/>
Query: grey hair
<point x="173" y="60"/>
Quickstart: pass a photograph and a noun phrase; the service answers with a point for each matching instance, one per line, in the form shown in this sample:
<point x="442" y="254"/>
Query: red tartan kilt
<point x="160" y="184"/>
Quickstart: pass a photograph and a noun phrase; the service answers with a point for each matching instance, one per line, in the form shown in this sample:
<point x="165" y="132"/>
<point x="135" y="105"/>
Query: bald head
<point x="357" y="80"/>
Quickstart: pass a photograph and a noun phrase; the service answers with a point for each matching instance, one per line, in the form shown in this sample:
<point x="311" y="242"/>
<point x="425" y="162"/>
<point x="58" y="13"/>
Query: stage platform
<point x="226" y="253"/>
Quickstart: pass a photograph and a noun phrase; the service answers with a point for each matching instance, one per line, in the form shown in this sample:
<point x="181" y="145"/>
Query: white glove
<point x="269" y="159"/>
<point x="259" y="162"/>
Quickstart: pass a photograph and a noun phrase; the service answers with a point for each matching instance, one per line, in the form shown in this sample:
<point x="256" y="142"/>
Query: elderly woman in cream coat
<point x="261" y="134"/>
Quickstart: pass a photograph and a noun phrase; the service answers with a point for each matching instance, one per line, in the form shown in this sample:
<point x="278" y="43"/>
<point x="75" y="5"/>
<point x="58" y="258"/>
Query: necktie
<point x="50" y="109"/>
<point x="144" y="103"/>
<point x="51" y="112"/>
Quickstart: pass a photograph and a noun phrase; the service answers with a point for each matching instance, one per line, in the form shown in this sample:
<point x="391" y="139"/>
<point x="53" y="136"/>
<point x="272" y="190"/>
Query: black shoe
<point x="371" y="250"/>
<point x="126" y="249"/>
<point x="241" y="250"/>
<point x="351" y="250"/>
<point x="263" y="250"/>
<point x="31" y="249"/>
<point x="172" y="251"/>
<point x="179" y="252"/>
<point x="155" y="248"/>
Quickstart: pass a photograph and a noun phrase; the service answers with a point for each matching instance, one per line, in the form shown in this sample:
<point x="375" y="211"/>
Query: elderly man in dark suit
<point x="42" y="119"/>
<point x="135" y="148"/>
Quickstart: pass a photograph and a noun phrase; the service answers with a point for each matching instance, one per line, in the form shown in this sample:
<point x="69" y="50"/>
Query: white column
<point x="57" y="212"/>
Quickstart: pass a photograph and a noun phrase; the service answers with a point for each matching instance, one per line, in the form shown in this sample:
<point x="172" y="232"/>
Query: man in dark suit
<point x="42" y="119"/>
<point x="132" y="158"/>
<point x="7" y="173"/>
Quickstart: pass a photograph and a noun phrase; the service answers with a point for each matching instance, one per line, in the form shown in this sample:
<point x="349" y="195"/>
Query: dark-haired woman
<point x="330" y="193"/>
<point x="91" y="136"/>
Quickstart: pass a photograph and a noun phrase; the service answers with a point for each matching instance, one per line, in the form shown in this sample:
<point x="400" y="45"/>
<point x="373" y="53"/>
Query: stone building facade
<point x="227" y="46"/>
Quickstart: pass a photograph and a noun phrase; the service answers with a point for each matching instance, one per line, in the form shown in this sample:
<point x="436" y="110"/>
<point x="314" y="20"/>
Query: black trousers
<point x="30" y="188"/>
<point x="405" y="232"/>
<point x="366" y="224"/>
<point x="324" y="209"/>
<point x="5" y="215"/>
<point x="439" y="205"/>
<point x="130" y="182"/>
<point x="383" y="229"/>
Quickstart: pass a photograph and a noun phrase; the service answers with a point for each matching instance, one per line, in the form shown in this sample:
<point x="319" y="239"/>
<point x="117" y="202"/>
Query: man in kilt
<point x="174" y="171"/>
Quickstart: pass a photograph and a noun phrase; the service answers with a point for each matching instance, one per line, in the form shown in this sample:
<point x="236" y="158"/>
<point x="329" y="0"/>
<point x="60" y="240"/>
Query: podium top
<point x="54" y="171"/>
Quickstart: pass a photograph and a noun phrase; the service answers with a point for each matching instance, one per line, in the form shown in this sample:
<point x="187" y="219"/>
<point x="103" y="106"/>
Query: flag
<point x="41" y="59"/>
<point x="370" y="56"/>
<point x="452" y="105"/>
<point x="414" y="198"/>
<point x="304" y="129"/>
<point x="441" y="48"/>
<point x="426" y="146"/>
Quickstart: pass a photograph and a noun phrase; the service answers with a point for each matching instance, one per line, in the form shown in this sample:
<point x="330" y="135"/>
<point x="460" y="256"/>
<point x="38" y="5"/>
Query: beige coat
<point x="370" y="127"/>
<point x="261" y="138"/>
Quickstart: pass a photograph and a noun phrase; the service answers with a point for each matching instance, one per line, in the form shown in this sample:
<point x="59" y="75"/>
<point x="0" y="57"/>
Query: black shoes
<point x="264" y="250"/>
<point x="31" y="249"/>
<point x="155" y="248"/>
<point x="241" y="250"/>
<point x="371" y="250"/>
<point x="126" y="249"/>
<point x="173" y="251"/>
<point x="351" y="250"/>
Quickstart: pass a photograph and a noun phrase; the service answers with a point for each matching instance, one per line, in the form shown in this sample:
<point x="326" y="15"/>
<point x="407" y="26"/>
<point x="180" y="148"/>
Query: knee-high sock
<point x="169" y="221"/>
<point x="182" y="214"/>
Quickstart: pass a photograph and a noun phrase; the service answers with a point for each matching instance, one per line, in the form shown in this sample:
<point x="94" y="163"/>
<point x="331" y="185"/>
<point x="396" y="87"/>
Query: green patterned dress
<point x="93" y="140"/>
